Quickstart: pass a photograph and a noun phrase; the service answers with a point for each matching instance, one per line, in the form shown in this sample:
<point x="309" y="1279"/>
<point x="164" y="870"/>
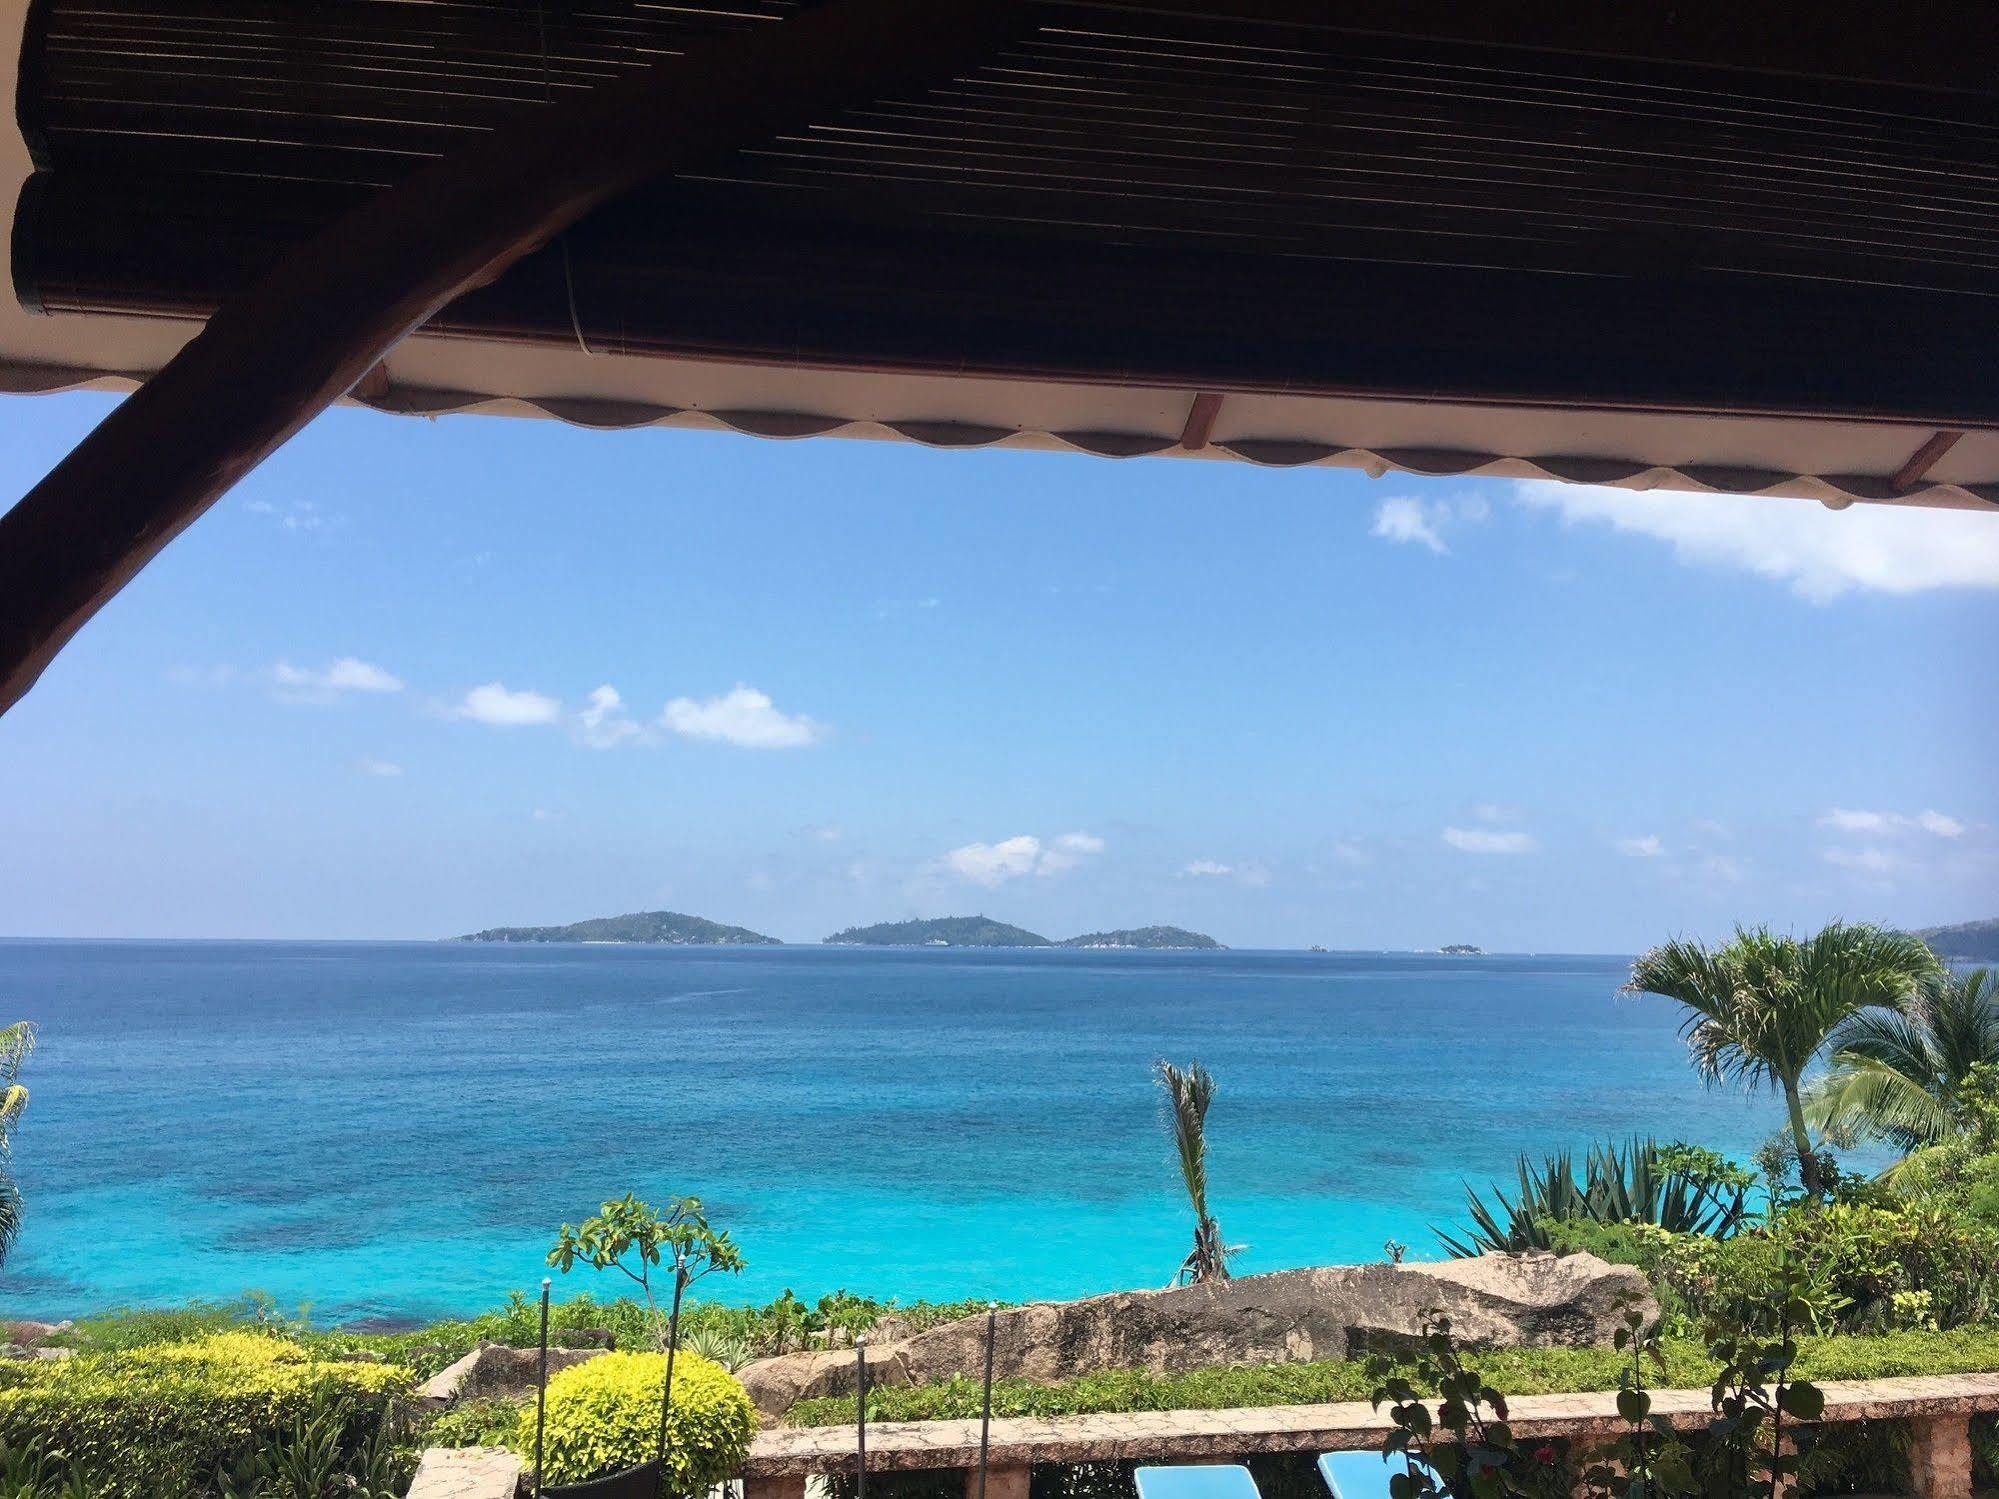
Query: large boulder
<point x="493" y="1370"/>
<point x="1333" y="1312"/>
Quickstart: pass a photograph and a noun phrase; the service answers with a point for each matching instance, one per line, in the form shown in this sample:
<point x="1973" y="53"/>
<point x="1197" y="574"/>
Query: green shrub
<point x="603" y="1416"/>
<point x="142" y="1420"/>
<point x="487" y="1422"/>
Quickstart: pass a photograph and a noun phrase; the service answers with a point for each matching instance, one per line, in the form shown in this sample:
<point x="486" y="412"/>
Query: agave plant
<point x="1680" y="1188"/>
<point x="717" y="1346"/>
<point x="1188" y="1094"/>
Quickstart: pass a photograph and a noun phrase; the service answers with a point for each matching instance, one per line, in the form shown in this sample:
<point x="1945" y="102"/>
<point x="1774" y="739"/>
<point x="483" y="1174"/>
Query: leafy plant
<point x="1919" y="1076"/>
<point x="633" y="1238"/>
<point x="1680" y="1188"/>
<point x="1188" y="1095"/>
<point x="603" y="1416"/>
<point x="1762" y="1007"/>
<point x="16" y="1042"/>
<point x="1467" y="1446"/>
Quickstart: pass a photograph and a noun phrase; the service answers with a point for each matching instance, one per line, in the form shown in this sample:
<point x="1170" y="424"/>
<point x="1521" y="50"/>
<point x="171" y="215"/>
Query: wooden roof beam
<point x="1200" y="425"/>
<point x="1925" y="458"/>
<point x="274" y="357"/>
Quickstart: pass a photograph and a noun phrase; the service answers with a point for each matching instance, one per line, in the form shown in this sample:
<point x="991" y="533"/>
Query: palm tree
<point x="1761" y="1007"/>
<point x="16" y="1041"/>
<point x="1899" y="1075"/>
<point x="1188" y="1095"/>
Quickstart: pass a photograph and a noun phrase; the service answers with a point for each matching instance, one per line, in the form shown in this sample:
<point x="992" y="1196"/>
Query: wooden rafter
<point x="274" y="357"/>
<point x="1925" y="458"/>
<point x="1201" y="421"/>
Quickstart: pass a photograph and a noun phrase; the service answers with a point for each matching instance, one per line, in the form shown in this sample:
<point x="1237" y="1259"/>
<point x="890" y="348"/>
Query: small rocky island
<point x="1461" y="950"/>
<point x="983" y="931"/>
<point x="1159" y="938"/>
<point x="672" y="928"/>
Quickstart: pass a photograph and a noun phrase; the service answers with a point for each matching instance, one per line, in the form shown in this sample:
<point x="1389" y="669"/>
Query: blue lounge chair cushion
<point x="1196" y="1481"/>
<point x="1363" y="1475"/>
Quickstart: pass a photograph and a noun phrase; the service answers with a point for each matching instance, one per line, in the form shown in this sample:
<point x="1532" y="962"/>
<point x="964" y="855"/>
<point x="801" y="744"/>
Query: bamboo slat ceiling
<point x="1709" y="212"/>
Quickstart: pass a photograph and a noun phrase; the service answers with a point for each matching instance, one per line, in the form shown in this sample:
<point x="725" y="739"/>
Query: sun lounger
<point x="1362" y="1475"/>
<point x="1196" y="1481"/>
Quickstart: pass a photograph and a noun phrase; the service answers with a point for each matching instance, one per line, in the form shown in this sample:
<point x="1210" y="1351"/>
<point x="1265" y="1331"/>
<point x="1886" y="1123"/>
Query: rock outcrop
<point x="495" y="1370"/>
<point x="1333" y="1312"/>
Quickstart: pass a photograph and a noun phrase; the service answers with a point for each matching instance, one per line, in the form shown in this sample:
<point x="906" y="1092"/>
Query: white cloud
<point x="995" y="863"/>
<point x="1404" y="518"/>
<point x="1487" y="841"/>
<point x="1347" y="851"/>
<point x="1722" y="867"/>
<point x="381" y="767"/>
<point x="1646" y="847"/>
<point x="1195" y="869"/>
<point x="494" y="704"/>
<point x="1493" y="812"/>
<point x="1872" y="861"/>
<point x="299" y="684"/>
<point x="1820" y="553"/>
<point x="743" y="717"/>
<point x="542" y="814"/>
<point x="1851" y="820"/>
<point x="1067" y="850"/>
<point x="604" y="724"/>
<point x="824" y="833"/>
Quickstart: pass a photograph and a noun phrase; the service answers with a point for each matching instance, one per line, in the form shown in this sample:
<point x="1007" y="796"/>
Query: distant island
<point x="672" y="927"/>
<point x="1976" y="941"/>
<point x="983" y="931"/>
<point x="1461" y="950"/>
<point x="941" y="931"/>
<point x="1158" y="937"/>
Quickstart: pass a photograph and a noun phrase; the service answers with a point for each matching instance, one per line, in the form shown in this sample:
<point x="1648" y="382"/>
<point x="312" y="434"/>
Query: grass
<point x="1517" y="1371"/>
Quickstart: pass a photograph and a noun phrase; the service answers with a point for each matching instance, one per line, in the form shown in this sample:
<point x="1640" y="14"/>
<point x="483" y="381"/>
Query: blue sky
<point x="856" y="681"/>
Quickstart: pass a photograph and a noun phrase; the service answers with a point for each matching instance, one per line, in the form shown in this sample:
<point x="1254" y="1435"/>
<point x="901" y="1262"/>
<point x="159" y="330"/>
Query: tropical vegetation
<point x="1189" y="1091"/>
<point x="192" y="1416"/>
<point x="16" y="1042"/>
<point x="1762" y="1007"/>
<point x="1917" y="1076"/>
<point x="1682" y="1189"/>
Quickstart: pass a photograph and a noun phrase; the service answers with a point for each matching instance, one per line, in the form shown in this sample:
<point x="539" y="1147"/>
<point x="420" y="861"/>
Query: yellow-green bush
<point x="164" y="1418"/>
<point x="603" y="1416"/>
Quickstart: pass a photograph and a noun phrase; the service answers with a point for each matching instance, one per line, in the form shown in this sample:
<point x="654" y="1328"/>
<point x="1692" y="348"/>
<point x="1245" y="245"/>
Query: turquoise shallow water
<point x="396" y="1129"/>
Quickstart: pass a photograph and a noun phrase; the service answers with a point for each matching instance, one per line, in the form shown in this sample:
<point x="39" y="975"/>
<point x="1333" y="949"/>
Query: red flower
<point x="1545" y="1456"/>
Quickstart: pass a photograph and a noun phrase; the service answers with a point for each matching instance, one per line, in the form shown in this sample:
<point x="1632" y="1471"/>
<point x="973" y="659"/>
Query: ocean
<point x="397" y="1129"/>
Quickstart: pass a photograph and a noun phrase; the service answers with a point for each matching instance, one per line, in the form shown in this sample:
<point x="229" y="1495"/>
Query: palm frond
<point x="1896" y="1073"/>
<point x="1189" y="1092"/>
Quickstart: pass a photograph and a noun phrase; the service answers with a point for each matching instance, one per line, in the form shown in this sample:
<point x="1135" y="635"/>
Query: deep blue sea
<point x="398" y="1128"/>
